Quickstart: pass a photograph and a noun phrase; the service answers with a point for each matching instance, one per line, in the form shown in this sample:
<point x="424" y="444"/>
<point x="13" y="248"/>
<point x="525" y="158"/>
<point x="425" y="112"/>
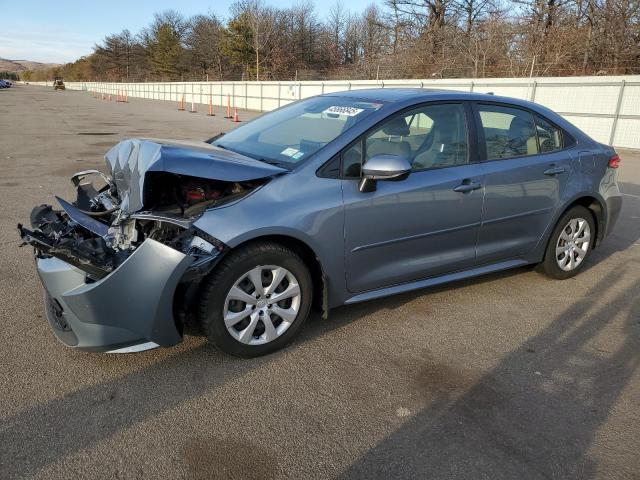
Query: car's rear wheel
<point x="570" y="244"/>
<point x="256" y="300"/>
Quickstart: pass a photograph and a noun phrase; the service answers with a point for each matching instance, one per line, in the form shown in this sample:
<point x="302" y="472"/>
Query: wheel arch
<point x="592" y="203"/>
<point x="596" y="207"/>
<point x="320" y="300"/>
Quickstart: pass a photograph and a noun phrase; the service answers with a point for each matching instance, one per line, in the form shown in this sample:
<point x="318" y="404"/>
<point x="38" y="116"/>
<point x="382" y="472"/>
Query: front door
<point x="426" y="224"/>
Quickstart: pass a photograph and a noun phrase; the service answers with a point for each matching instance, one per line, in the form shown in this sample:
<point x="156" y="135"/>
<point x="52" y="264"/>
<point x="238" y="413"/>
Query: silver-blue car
<point x="331" y="200"/>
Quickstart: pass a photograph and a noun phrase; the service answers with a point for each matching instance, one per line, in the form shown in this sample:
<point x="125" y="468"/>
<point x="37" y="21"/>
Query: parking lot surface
<point x="512" y="375"/>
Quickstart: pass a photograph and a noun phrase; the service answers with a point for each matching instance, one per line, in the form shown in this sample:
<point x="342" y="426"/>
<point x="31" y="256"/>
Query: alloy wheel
<point x="573" y="244"/>
<point x="262" y="304"/>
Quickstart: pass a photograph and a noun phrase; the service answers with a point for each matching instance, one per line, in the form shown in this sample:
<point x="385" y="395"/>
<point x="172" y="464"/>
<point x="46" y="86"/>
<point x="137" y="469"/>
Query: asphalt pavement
<point x="512" y="375"/>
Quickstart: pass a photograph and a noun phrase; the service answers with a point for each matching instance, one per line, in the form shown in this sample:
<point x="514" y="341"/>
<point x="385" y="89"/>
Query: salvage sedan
<point x="331" y="200"/>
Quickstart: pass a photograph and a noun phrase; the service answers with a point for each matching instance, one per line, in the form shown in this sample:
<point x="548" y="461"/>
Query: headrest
<point x="442" y="133"/>
<point x="396" y="127"/>
<point x="520" y="127"/>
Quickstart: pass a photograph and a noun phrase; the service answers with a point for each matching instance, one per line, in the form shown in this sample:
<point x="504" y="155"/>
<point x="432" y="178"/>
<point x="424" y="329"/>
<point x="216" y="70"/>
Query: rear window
<point x="514" y="132"/>
<point x="549" y="136"/>
<point x="508" y="132"/>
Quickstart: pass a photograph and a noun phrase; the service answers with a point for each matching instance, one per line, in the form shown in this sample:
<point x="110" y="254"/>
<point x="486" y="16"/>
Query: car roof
<point x="421" y="94"/>
<point x="409" y="96"/>
<point x="389" y="94"/>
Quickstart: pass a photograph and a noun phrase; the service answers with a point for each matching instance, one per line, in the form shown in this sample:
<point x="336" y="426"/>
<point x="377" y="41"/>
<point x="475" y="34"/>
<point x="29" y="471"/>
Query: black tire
<point x="218" y="284"/>
<point x="549" y="265"/>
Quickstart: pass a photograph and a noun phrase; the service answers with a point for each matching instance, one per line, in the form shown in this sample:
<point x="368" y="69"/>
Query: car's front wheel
<point x="570" y="244"/>
<point x="256" y="300"/>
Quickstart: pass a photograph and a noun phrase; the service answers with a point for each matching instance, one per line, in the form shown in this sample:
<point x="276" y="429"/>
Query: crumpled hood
<point x="131" y="159"/>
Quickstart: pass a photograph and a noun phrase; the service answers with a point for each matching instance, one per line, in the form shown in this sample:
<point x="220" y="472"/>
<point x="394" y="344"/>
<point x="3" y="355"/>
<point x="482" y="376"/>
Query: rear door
<point x="426" y="224"/>
<point x="525" y="170"/>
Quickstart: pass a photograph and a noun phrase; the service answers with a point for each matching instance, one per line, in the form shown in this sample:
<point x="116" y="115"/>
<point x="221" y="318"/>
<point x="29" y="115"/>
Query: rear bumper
<point x="130" y="309"/>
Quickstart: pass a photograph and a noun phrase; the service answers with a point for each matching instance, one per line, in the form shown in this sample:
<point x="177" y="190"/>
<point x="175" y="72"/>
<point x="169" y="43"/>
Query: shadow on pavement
<point x="535" y="422"/>
<point x="44" y="433"/>
<point x="79" y="420"/>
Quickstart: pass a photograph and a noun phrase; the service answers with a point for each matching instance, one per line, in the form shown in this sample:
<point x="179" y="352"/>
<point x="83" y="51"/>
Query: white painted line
<point x="630" y="195"/>
<point x="141" y="347"/>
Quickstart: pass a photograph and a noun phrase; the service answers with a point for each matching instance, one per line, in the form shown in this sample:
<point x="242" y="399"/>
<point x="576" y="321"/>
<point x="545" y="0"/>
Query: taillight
<point x="614" y="162"/>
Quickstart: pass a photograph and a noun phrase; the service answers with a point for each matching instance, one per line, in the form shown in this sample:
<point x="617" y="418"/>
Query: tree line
<point x="389" y="39"/>
<point x="6" y="75"/>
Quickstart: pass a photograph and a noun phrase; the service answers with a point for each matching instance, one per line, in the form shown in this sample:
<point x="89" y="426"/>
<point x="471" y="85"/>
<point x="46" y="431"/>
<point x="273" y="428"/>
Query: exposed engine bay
<point x="95" y="235"/>
<point x="147" y="195"/>
<point x="122" y="263"/>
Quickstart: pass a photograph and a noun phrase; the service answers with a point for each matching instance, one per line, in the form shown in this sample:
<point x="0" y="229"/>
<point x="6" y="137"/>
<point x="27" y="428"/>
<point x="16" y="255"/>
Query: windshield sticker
<point x="298" y="155"/>
<point x="290" y="152"/>
<point x="348" y="111"/>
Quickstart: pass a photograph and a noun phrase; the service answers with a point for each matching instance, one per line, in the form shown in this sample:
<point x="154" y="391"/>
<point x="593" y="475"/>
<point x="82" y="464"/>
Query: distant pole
<point x="378" y="73"/>
<point x="533" y="62"/>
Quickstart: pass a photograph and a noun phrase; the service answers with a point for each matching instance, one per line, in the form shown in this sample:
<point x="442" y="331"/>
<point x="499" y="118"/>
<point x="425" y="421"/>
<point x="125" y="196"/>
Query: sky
<point x="58" y="31"/>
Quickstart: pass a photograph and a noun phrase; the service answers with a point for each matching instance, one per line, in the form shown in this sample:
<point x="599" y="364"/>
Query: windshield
<point x="292" y="134"/>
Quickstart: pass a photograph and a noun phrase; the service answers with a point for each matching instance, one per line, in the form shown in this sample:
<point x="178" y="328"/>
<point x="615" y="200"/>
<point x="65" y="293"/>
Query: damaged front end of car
<point x="122" y="263"/>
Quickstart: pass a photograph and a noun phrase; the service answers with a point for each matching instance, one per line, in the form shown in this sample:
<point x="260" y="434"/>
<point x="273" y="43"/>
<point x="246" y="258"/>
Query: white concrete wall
<point x="606" y="108"/>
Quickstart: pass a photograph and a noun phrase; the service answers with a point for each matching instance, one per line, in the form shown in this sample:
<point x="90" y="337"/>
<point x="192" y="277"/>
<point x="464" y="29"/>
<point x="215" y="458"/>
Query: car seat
<point x="442" y="147"/>
<point x="394" y="144"/>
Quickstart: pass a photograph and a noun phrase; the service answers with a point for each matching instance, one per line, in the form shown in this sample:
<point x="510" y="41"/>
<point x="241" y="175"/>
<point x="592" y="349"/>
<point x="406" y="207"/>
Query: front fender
<point x="300" y="206"/>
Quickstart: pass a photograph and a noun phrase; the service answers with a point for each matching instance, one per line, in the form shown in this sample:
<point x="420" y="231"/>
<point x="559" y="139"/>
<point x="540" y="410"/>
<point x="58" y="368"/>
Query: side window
<point x="433" y="136"/>
<point x="549" y="136"/>
<point x="441" y="139"/>
<point x="508" y="132"/>
<point x="392" y="138"/>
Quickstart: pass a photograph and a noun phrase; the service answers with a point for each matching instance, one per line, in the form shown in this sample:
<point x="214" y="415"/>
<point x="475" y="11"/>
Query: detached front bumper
<point x="130" y="309"/>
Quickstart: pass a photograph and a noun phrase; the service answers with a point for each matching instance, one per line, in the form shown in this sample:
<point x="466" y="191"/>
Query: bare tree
<point x="204" y="44"/>
<point x="336" y="24"/>
<point x="261" y="23"/>
<point x="116" y="53"/>
<point x="392" y="38"/>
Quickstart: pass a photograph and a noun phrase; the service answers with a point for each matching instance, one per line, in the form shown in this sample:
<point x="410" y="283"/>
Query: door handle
<point x="467" y="186"/>
<point x="554" y="170"/>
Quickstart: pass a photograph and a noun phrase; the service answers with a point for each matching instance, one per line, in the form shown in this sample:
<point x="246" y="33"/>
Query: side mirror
<point x="383" y="167"/>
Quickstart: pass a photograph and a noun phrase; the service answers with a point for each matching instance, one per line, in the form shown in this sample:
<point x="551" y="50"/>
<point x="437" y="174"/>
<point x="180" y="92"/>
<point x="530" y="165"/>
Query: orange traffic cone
<point x="210" y="114"/>
<point x="109" y="97"/>
<point x="181" y="104"/>
<point x="228" y="106"/>
<point x="235" y="115"/>
<point x="193" y="108"/>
